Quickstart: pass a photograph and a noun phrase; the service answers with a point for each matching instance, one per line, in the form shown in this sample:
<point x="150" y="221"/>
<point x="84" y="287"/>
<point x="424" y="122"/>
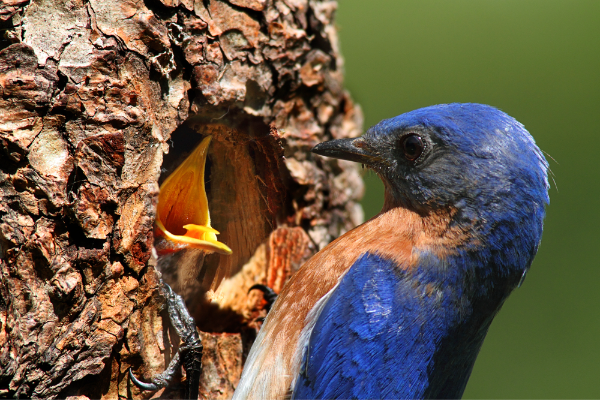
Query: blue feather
<point x="379" y="336"/>
<point x="474" y="190"/>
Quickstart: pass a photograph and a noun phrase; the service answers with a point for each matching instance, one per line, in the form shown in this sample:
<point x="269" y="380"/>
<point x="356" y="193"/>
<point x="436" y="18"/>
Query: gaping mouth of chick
<point x="182" y="215"/>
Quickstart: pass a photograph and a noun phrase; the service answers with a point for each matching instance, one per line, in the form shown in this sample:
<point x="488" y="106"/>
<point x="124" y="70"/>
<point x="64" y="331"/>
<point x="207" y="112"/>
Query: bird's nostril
<point x="360" y="145"/>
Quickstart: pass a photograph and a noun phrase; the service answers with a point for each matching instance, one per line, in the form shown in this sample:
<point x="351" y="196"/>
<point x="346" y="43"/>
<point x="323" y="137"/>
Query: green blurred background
<point x="539" y="61"/>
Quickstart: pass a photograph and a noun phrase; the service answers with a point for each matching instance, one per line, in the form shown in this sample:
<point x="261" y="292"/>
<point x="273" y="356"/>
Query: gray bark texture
<point x="99" y="100"/>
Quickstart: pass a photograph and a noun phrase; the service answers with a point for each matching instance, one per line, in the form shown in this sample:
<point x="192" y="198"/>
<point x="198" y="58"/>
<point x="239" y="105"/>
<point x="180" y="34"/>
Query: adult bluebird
<point x="399" y="307"/>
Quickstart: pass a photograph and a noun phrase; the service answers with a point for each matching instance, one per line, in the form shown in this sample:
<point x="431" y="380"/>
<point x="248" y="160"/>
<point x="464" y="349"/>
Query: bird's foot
<point x="190" y="352"/>
<point x="158" y="381"/>
<point x="268" y="294"/>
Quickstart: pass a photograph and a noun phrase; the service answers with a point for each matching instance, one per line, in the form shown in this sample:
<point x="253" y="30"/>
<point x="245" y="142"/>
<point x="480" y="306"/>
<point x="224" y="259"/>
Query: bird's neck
<point x="492" y="245"/>
<point x="461" y="274"/>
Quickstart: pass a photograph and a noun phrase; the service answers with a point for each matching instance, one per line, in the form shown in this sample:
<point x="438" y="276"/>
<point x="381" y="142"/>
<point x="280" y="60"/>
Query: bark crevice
<point x="92" y="96"/>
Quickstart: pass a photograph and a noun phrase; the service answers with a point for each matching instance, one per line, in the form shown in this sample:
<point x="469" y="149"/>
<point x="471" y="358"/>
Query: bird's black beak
<point x="355" y="149"/>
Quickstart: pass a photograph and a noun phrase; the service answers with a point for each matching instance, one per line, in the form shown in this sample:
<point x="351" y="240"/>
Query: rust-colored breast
<point x="393" y="234"/>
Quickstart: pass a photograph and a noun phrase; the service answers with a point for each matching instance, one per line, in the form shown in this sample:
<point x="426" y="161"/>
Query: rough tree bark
<point x="96" y="97"/>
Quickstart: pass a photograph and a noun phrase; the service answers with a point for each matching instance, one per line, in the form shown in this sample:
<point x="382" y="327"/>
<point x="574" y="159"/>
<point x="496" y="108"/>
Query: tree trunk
<point x="98" y="97"/>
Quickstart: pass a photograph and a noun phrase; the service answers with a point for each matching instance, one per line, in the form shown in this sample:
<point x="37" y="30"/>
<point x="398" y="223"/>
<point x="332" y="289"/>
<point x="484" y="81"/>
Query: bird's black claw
<point x="142" y="385"/>
<point x="161" y="380"/>
<point x="269" y="294"/>
<point x="190" y="351"/>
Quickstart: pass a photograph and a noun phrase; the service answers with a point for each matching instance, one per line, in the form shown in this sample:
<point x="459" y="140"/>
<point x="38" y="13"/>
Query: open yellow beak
<point x="182" y="215"/>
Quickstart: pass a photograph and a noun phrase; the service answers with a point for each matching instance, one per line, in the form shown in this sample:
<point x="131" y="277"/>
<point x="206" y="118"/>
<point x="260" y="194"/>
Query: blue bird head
<point x="470" y="159"/>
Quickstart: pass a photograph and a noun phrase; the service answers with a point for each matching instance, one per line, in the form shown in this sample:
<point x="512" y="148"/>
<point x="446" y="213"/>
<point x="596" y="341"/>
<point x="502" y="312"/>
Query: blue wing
<point x="377" y="337"/>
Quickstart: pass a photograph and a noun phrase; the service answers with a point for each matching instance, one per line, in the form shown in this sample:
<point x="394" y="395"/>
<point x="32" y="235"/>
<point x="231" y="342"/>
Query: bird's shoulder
<point x="391" y="236"/>
<point x="363" y="341"/>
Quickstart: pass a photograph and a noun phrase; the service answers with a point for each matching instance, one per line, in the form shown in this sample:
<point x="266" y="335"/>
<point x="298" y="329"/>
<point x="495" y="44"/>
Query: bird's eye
<point x="413" y="146"/>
